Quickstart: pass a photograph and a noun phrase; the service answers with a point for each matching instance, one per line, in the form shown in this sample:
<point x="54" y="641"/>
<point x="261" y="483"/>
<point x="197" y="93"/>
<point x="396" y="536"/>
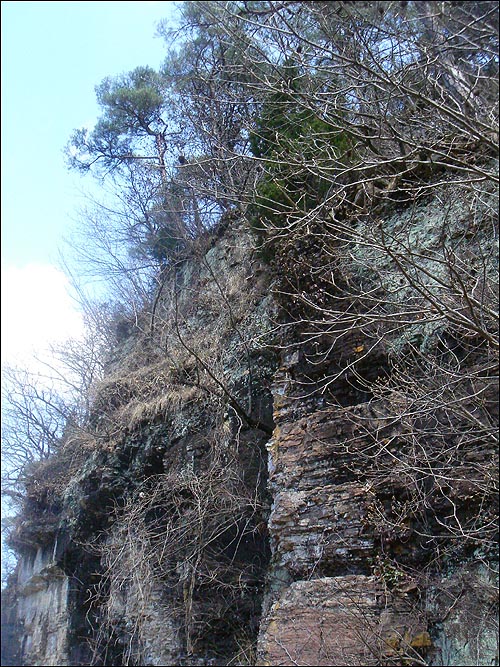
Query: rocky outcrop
<point x="42" y="607"/>
<point x="325" y="606"/>
<point x="335" y="597"/>
<point x="344" y="620"/>
<point x="151" y="522"/>
<point x="361" y="570"/>
<point x="226" y="507"/>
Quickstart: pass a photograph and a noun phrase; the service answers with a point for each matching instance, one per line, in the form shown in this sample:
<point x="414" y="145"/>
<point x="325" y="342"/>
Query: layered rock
<point x="365" y="556"/>
<point x="225" y="491"/>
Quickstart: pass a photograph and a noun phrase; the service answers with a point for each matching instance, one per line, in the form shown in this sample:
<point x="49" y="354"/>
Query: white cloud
<point x="36" y="311"/>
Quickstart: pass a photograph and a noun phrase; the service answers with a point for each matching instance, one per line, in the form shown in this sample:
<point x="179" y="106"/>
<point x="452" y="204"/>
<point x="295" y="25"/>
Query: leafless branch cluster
<point x="184" y="541"/>
<point x="373" y="99"/>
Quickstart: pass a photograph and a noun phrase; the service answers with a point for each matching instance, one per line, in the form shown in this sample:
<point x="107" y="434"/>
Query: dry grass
<point x="159" y="407"/>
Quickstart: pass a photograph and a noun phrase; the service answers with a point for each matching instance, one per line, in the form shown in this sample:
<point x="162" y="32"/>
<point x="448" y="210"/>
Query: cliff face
<point x="43" y="607"/>
<point x="145" y="540"/>
<point x="343" y="591"/>
<point x="227" y="506"/>
<point x="362" y="572"/>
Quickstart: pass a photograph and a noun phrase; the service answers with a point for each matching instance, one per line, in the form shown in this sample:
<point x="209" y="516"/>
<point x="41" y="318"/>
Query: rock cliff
<point x="228" y="505"/>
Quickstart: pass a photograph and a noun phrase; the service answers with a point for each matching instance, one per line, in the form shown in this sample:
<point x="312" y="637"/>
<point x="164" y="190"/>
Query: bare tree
<point x="33" y="416"/>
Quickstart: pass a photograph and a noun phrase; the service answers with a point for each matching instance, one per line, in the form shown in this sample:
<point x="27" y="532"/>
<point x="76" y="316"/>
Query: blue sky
<point x="53" y="56"/>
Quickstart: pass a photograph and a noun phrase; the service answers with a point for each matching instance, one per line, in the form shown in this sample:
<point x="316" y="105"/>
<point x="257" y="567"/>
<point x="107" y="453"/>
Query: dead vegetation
<point x="188" y="546"/>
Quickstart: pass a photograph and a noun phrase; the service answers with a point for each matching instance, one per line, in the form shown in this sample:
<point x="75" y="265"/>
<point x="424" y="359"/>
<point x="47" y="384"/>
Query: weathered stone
<point x="321" y="493"/>
<point x="42" y="610"/>
<point x="343" y="587"/>
<point x="345" y="620"/>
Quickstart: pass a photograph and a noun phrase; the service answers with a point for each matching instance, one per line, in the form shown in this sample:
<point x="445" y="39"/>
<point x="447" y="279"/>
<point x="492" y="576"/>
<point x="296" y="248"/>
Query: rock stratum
<point x="264" y="478"/>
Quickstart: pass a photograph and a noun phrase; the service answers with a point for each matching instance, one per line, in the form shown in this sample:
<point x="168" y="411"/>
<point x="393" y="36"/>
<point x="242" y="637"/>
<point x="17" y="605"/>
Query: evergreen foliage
<point x="288" y="136"/>
<point x="132" y="107"/>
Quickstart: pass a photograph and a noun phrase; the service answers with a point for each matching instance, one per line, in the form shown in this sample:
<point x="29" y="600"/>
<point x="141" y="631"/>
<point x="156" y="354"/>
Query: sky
<point x="53" y="54"/>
